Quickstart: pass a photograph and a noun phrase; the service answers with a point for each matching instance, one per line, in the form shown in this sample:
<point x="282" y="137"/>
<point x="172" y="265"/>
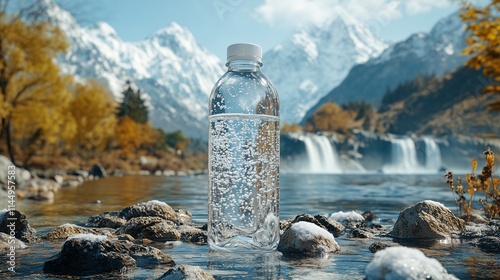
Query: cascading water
<point x="432" y="155"/>
<point x="403" y="156"/>
<point x="322" y="157"/>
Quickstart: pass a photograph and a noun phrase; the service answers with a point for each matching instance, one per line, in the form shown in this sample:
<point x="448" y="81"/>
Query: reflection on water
<point x="248" y="265"/>
<point x="385" y="195"/>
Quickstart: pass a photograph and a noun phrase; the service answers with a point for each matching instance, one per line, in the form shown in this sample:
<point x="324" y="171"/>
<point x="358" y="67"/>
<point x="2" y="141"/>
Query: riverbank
<point x="42" y="184"/>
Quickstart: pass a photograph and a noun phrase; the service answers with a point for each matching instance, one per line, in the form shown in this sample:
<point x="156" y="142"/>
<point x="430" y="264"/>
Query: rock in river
<point x="405" y="263"/>
<point x="15" y="220"/>
<point x="426" y="219"/>
<point x="88" y="254"/>
<point x="186" y="272"/>
<point x="153" y="208"/>
<point x="304" y="239"/>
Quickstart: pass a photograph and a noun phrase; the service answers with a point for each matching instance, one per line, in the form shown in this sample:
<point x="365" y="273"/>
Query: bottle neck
<point x="243" y="65"/>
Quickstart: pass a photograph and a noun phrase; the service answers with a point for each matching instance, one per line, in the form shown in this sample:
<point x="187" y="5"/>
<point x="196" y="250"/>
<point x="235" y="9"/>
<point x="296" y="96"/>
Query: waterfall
<point x="403" y="156"/>
<point x="432" y="155"/>
<point x="322" y="157"/>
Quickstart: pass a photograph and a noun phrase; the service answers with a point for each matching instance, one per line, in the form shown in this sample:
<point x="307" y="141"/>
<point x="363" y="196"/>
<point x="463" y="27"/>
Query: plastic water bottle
<point x="244" y="132"/>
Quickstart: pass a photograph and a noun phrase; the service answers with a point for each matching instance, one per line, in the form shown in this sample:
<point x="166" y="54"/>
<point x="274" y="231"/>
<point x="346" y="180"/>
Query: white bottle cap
<point x="244" y="51"/>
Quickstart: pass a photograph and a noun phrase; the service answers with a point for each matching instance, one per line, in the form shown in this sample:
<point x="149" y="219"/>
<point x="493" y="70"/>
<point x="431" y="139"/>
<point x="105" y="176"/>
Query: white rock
<point x="395" y="263"/>
<point x="88" y="236"/>
<point x="351" y="216"/>
<point x="307" y="239"/>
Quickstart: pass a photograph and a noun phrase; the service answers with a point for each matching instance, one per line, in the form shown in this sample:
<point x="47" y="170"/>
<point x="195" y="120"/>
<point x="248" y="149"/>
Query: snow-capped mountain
<point x="316" y="59"/>
<point x="433" y="53"/>
<point x="169" y="66"/>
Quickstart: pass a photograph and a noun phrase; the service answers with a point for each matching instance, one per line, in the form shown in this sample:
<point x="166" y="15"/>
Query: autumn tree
<point x="483" y="42"/>
<point x="331" y="117"/>
<point x="93" y="110"/>
<point x="30" y="81"/>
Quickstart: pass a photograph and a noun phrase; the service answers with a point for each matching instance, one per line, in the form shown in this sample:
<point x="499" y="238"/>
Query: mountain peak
<point x="175" y="37"/>
<point x="106" y="29"/>
<point x="315" y="59"/>
<point x="56" y="14"/>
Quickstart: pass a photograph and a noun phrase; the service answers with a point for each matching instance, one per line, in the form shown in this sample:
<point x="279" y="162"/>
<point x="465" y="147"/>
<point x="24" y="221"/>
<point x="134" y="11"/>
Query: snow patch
<point x="155" y="202"/>
<point x="435" y="203"/>
<point x="405" y="263"/>
<point x="88" y="237"/>
<point x="351" y="216"/>
<point x="308" y="231"/>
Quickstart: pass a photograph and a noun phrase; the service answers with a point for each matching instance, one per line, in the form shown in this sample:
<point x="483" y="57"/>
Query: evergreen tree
<point x="133" y="105"/>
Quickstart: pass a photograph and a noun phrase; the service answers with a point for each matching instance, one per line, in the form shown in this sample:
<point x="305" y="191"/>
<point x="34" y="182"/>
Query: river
<point x="385" y="195"/>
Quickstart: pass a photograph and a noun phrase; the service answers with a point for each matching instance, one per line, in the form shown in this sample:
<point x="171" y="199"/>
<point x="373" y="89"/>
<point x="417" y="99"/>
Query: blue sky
<point x="219" y="23"/>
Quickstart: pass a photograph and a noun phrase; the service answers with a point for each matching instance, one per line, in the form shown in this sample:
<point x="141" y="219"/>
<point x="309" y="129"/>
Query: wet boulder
<point x="65" y="231"/>
<point x="186" y="272"/>
<point x="7" y="243"/>
<point x="81" y="253"/>
<point x="332" y="226"/>
<point x="489" y="244"/>
<point x="427" y="219"/>
<point x="16" y="221"/>
<point x="378" y="246"/>
<point x="192" y="235"/>
<point x="136" y="226"/>
<point x="350" y="219"/>
<point x="304" y="239"/>
<point x="153" y="208"/>
<point x="97" y="171"/>
<point x="183" y="216"/>
<point x="106" y="219"/>
<point x="162" y="231"/>
<point x="405" y="263"/>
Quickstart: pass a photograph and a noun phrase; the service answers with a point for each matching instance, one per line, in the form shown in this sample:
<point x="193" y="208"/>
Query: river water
<point x="384" y="195"/>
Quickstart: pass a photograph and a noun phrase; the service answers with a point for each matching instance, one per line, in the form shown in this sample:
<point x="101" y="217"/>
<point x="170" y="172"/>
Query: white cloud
<point x="297" y="12"/>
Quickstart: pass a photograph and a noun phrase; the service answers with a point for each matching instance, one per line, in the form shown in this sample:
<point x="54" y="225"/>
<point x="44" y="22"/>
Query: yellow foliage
<point x="133" y="136"/>
<point x="483" y="43"/>
<point x="290" y="127"/>
<point x="128" y="133"/>
<point x="93" y="111"/>
<point x="32" y="90"/>
<point x="331" y="117"/>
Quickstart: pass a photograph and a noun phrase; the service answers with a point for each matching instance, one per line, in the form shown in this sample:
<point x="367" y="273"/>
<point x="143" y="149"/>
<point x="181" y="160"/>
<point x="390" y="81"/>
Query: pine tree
<point x="133" y="105"/>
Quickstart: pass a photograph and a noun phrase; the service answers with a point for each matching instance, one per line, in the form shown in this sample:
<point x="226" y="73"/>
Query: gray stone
<point x="332" y="226"/>
<point x="186" y="272"/>
<point x="192" y="234"/>
<point x="162" y="231"/>
<point x="426" y="219"/>
<point x="378" y="246"/>
<point x="135" y="226"/>
<point x="7" y="243"/>
<point x="183" y="216"/>
<point x="489" y="244"/>
<point x="153" y="208"/>
<point x="107" y="220"/>
<point x="71" y="181"/>
<point x="65" y="231"/>
<point x="304" y="239"/>
<point x="97" y="171"/>
<point x="307" y="218"/>
<point x="81" y="254"/>
<point x="361" y="233"/>
<point x="17" y="221"/>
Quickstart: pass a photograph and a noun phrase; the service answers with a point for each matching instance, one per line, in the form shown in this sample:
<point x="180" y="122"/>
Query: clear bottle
<point x="244" y="153"/>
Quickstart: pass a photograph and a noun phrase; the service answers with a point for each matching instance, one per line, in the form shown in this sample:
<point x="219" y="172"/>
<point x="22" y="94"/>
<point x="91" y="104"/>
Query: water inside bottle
<point x="244" y="181"/>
